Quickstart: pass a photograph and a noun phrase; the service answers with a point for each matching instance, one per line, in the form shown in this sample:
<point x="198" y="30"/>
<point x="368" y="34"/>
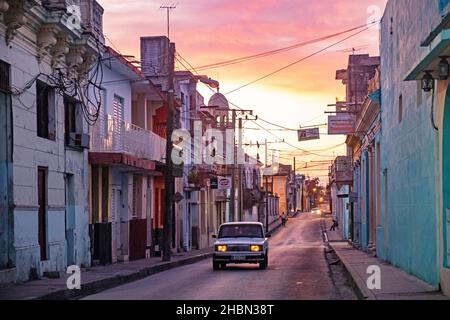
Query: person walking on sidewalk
<point x="334" y="225"/>
<point x="283" y="219"/>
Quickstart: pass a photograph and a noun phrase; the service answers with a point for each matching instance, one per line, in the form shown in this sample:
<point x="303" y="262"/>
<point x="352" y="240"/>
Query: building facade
<point x="413" y="231"/>
<point x="124" y="156"/>
<point x="45" y="58"/>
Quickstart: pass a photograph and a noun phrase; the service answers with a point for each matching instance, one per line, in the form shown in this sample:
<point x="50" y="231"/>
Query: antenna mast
<point x="168" y="7"/>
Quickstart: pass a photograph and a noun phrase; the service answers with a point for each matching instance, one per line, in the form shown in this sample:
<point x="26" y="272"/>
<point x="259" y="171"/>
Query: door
<point x="116" y="205"/>
<point x="6" y="201"/>
<point x="138" y="238"/>
<point x="446" y="181"/>
<point x="42" y="213"/>
<point x="70" y="219"/>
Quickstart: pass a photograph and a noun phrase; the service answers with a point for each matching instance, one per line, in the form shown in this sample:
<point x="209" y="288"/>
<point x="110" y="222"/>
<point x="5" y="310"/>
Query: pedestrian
<point x="334" y="225"/>
<point x="283" y="219"/>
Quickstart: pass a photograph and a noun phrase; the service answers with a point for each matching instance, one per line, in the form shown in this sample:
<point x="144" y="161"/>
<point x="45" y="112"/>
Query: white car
<point x="241" y="242"/>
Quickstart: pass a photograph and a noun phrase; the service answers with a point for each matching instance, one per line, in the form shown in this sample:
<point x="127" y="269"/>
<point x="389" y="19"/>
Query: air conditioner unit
<point x="79" y="140"/>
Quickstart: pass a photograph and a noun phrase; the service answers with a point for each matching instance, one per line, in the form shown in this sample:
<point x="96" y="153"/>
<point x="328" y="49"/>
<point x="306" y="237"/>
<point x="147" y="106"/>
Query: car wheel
<point x="263" y="265"/>
<point x="216" y="266"/>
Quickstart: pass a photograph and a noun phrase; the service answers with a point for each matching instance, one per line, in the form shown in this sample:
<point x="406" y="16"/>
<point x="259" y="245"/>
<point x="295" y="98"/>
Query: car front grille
<point x="239" y="248"/>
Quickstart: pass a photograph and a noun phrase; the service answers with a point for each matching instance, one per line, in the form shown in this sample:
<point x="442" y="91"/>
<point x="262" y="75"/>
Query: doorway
<point x="6" y="198"/>
<point x="70" y="218"/>
<point x="42" y="212"/>
<point x="446" y="180"/>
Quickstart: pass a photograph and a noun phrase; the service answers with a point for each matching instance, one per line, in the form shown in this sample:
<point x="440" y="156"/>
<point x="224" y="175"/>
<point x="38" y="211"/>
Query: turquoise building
<point x="412" y="230"/>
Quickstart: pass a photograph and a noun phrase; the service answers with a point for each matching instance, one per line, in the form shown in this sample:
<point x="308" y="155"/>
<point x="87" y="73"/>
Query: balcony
<point x="117" y="136"/>
<point x="342" y="171"/>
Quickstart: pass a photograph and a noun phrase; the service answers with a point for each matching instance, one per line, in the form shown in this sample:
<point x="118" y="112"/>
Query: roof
<point x="120" y="58"/>
<point x="240" y="223"/>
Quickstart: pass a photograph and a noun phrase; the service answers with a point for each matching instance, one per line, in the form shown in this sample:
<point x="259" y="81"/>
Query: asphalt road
<point x="298" y="270"/>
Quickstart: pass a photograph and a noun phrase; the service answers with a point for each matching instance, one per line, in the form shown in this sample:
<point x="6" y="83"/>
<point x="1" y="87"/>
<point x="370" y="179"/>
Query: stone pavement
<point x="395" y="283"/>
<point x="99" y="278"/>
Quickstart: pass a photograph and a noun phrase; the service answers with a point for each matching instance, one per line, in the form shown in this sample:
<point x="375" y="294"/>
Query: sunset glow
<point x="212" y="31"/>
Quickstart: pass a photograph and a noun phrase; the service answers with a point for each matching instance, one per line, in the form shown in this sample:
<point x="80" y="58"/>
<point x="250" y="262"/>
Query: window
<point x="72" y="121"/>
<point x="400" y="109"/>
<point x="5" y="71"/>
<point x="45" y="111"/>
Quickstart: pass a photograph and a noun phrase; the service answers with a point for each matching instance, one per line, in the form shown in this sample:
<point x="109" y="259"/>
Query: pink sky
<point x="208" y="31"/>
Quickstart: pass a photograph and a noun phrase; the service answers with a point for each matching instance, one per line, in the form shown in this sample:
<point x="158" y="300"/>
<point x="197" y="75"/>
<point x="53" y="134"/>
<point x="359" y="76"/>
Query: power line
<point x="236" y="106"/>
<point x="276" y="51"/>
<point x="298" y="61"/>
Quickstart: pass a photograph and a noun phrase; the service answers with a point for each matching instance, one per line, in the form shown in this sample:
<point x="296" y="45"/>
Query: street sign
<point x="214" y="183"/>
<point x="341" y="124"/>
<point x="224" y="183"/>
<point x="308" y="134"/>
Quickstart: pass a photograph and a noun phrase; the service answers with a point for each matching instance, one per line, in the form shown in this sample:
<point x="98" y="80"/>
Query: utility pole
<point x="295" y="188"/>
<point x="240" y="215"/>
<point x="267" y="187"/>
<point x="234" y="115"/>
<point x="168" y="9"/>
<point x="233" y="176"/>
<point x="168" y="177"/>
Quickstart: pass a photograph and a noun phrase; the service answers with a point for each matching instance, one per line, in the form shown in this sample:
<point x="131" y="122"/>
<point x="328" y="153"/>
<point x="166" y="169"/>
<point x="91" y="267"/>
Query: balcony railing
<point x="119" y="136"/>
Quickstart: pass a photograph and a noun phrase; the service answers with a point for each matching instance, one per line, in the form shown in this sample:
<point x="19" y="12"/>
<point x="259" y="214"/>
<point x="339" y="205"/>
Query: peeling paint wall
<point x="31" y="152"/>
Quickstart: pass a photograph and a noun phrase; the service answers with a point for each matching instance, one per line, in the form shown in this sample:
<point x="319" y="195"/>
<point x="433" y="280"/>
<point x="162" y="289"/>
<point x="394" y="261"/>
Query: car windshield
<point x="241" y="231"/>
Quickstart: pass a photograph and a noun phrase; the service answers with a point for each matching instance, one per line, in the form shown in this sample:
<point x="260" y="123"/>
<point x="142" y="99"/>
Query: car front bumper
<point x="239" y="257"/>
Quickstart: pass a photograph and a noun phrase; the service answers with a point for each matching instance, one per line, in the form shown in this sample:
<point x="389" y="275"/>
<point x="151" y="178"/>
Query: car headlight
<point x="255" y="248"/>
<point x="221" y="248"/>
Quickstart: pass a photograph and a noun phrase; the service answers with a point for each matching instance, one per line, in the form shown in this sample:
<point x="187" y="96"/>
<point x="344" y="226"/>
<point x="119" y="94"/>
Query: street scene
<point x="298" y="247"/>
<point x="217" y="150"/>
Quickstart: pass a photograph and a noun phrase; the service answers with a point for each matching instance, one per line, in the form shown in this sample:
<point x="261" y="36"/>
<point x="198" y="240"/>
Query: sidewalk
<point x="395" y="283"/>
<point x="99" y="278"/>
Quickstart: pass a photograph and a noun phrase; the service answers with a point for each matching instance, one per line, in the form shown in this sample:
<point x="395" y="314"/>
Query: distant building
<point x="278" y="183"/>
<point x="354" y="177"/>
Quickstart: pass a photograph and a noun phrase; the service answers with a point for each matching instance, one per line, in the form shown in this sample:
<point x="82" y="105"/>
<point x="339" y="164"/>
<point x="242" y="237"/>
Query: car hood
<point x="240" y="241"/>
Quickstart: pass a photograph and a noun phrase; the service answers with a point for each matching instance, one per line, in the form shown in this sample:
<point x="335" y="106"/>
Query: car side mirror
<point x="268" y="235"/>
<point x="214" y="236"/>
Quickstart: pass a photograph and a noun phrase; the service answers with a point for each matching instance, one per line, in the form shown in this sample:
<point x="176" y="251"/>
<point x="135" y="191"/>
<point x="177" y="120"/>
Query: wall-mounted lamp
<point x="427" y="82"/>
<point x="444" y="68"/>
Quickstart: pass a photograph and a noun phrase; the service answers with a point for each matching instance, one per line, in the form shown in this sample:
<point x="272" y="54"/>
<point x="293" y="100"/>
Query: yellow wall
<point x="280" y="188"/>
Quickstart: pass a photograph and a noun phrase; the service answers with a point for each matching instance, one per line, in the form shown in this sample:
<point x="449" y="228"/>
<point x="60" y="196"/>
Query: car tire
<point x="216" y="266"/>
<point x="263" y="265"/>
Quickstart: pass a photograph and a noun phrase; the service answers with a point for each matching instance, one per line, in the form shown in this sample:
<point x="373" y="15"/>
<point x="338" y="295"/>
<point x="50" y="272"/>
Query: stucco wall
<point x="409" y="147"/>
<point x="30" y="152"/>
<point x="114" y="84"/>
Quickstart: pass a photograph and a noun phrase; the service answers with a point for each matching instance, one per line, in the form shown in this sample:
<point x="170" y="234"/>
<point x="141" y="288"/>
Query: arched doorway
<point x="446" y="179"/>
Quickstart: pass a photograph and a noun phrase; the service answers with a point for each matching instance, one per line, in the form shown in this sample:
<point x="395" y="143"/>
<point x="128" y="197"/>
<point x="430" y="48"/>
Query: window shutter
<point x="51" y="113"/>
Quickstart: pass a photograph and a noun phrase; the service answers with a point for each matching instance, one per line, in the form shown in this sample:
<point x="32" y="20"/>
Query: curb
<point x="105" y="284"/>
<point x="357" y="283"/>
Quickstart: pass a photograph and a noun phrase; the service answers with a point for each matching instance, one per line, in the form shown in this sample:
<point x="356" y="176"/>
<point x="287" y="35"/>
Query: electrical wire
<point x="307" y="153"/>
<point x="297" y="61"/>
<point x="276" y="51"/>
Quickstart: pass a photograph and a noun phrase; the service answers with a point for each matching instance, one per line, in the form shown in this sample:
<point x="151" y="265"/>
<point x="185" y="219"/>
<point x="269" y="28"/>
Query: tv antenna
<point x="353" y="49"/>
<point x="169" y="8"/>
